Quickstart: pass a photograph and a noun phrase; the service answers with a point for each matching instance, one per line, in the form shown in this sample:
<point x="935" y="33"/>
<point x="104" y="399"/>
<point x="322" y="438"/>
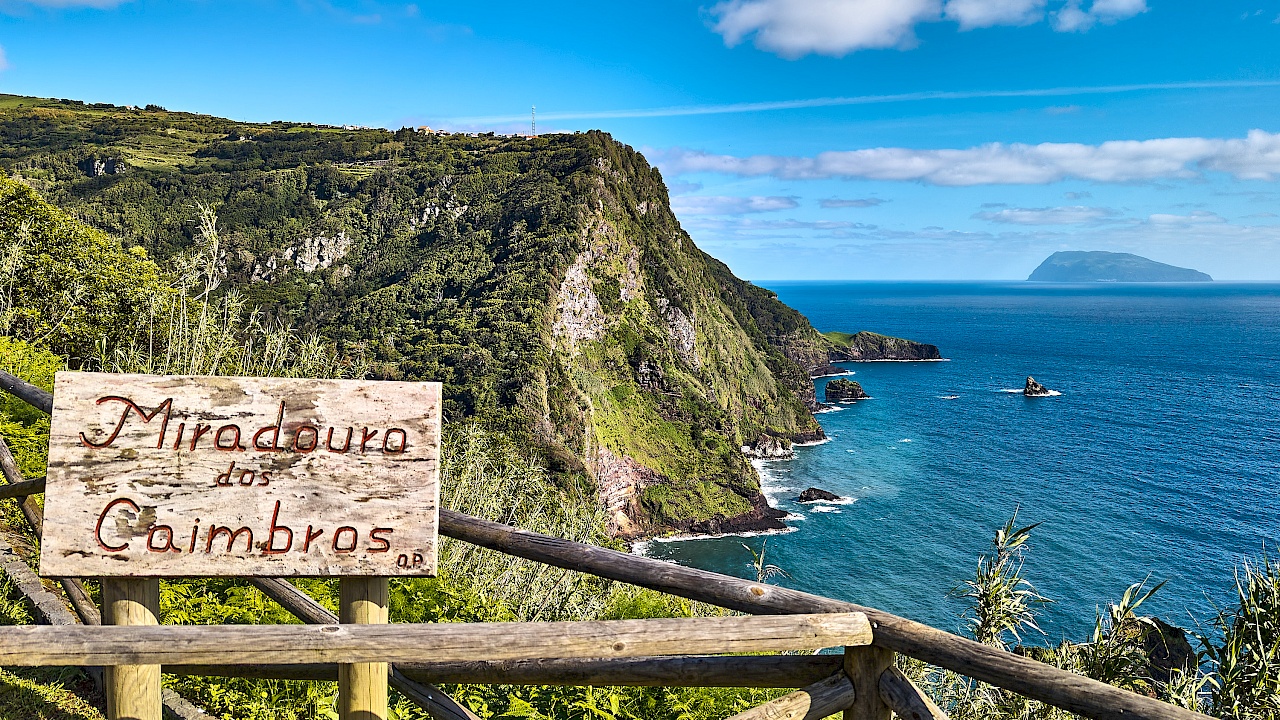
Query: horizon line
<point x="766" y="106"/>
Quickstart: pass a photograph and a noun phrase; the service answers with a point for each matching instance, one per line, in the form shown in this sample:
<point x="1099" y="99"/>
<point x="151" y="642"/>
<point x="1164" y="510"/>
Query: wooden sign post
<point x="184" y="476"/>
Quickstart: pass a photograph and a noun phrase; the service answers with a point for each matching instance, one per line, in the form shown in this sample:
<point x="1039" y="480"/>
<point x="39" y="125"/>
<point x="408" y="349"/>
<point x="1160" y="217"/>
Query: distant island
<point x="1099" y="266"/>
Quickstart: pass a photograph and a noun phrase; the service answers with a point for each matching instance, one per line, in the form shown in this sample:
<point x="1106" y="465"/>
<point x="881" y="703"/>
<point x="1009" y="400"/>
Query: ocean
<point x="1160" y="458"/>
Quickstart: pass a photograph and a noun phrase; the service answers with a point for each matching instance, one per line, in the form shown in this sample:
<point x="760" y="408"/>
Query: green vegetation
<point x="544" y="281"/>
<point x="459" y="265"/>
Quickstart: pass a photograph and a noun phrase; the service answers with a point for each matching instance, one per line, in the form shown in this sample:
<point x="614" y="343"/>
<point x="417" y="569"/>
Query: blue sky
<point x="801" y="139"/>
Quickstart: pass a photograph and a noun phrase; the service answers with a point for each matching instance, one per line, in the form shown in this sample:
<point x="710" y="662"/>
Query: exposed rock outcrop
<point x="97" y="167"/>
<point x="842" y="390"/>
<point x="768" y="447"/>
<point x="759" y="519"/>
<point x="620" y="482"/>
<point x="1035" y="389"/>
<point x="1164" y="646"/>
<point x="306" y="254"/>
<point x="579" y="317"/>
<point x="814" y="494"/>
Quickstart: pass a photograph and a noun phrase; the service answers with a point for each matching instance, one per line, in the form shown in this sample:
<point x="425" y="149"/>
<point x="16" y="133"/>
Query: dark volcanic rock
<point x="1035" y="389"/>
<point x="760" y="518"/>
<point x="806" y="438"/>
<point x="815" y="494"/>
<point x="842" y="390"/>
<point x="1165" y="646"/>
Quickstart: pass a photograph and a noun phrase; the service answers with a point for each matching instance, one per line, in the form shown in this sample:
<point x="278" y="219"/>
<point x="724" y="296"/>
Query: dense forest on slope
<point x="72" y="294"/>
<point x="545" y="281"/>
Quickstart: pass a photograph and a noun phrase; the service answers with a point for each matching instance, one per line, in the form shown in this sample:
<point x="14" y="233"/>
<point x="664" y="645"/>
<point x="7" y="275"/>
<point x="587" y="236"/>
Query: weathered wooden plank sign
<point x="171" y="476"/>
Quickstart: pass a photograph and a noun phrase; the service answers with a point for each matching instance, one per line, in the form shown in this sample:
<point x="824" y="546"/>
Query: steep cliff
<point x="544" y="281"/>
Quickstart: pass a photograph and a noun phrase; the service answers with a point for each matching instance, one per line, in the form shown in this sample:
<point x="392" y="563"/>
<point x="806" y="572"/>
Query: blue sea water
<point x="1160" y="458"/>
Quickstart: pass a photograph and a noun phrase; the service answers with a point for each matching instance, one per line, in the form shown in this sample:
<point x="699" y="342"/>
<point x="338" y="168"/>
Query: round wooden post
<point x="133" y="691"/>
<point x="864" y="665"/>
<point x="362" y="687"/>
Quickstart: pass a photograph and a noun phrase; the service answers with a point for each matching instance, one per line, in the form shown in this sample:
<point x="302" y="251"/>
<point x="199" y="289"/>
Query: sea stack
<point x="1035" y="389"/>
<point x="842" y="390"/>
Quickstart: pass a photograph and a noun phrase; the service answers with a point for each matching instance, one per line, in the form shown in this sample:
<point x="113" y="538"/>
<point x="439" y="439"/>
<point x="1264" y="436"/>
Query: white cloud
<point x="1198" y="217"/>
<point x="832" y="203"/>
<point x="730" y="205"/>
<point x="1255" y="157"/>
<point x="1074" y="18"/>
<point x="986" y="13"/>
<point x="792" y="28"/>
<point x="1069" y="215"/>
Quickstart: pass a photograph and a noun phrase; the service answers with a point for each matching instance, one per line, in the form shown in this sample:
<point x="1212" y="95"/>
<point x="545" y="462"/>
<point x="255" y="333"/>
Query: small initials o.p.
<point x="405" y="562"/>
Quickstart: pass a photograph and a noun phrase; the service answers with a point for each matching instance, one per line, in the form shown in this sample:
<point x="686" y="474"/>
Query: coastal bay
<point x="1159" y="456"/>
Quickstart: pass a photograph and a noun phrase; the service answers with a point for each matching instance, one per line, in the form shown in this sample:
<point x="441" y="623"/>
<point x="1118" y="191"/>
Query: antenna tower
<point x="533" y="120"/>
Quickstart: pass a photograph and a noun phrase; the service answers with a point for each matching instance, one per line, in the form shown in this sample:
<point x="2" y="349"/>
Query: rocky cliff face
<point x="660" y="385"/>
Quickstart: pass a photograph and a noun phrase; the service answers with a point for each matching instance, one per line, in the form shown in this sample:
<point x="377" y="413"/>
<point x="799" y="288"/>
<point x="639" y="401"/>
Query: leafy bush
<point x="68" y="287"/>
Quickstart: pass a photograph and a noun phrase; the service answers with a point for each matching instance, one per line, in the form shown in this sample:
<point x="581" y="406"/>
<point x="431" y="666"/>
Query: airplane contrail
<point x="748" y="107"/>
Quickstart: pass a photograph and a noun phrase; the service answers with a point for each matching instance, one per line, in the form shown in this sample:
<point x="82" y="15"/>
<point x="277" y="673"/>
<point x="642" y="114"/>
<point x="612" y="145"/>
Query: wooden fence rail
<point x="42" y="645"/>
<point x="611" y="652"/>
<point x="1022" y="675"/>
<point x="760" y="671"/>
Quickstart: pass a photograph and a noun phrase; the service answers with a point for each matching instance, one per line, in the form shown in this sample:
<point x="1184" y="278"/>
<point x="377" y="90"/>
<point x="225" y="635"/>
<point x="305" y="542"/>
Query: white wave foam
<point x="754" y="533"/>
<point x="827" y="409"/>
<point x="948" y="397"/>
<point x="834" y="374"/>
<point x="640" y="547"/>
<point x="905" y="440"/>
<point x="1052" y="393"/>
<point x="827" y="509"/>
<point x="794" y="516"/>
<point x="823" y="441"/>
<point x="851" y="451"/>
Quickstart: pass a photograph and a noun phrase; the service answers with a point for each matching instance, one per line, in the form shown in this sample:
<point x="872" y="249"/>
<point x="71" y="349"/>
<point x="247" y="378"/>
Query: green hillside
<point x="544" y="281"/>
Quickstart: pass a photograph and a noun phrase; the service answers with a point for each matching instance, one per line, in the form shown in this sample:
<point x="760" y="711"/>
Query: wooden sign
<point x="172" y="476"/>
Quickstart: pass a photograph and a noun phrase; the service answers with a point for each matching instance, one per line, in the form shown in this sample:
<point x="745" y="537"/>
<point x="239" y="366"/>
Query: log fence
<point x="861" y="684"/>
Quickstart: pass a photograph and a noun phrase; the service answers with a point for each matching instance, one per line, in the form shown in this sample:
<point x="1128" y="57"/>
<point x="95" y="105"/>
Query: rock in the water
<point x="844" y="390"/>
<point x="1035" y="389"/>
<point x="1164" y="646"/>
<point x="815" y="494"/>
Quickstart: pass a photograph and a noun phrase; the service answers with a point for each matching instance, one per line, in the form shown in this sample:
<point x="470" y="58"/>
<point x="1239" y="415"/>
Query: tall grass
<point x="1245" y="649"/>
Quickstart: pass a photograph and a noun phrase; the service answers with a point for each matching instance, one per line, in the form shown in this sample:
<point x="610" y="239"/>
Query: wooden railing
<point x="863" y="683"/>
